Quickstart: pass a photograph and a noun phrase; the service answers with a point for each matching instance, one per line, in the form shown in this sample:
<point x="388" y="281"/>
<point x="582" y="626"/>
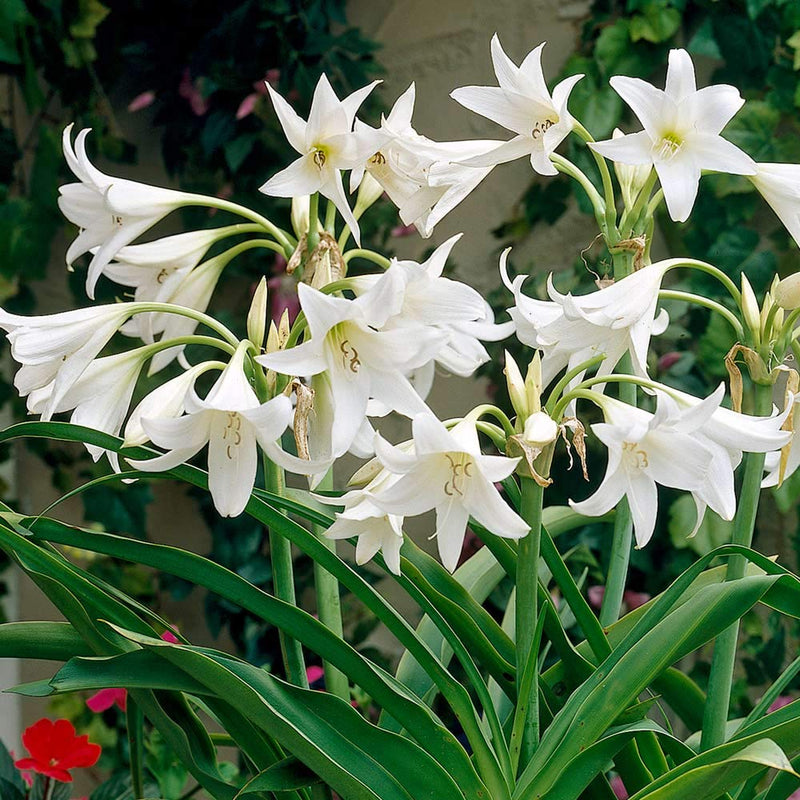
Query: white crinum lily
<point x="612" y="321"/>
<point x="100" y="397"/>
<point x="523" y="104"/>
<point x="456" y="310"/>
<point x="111" y="212"/>
<point x="327" y="144"/>
<point x="356" y="360"/>
<point x="448" y="472"/>
<point x="779" y="185"/>
<point x="232" y="422"/>
<point x="166" y="401"/>
<point x="681" y="135"/>
<point x="421" y="176"/>
<point x="55" y="349"/>
<point x="688" y="444"/>
<point x="376" y="530"/>
<point x="772" y="465"/>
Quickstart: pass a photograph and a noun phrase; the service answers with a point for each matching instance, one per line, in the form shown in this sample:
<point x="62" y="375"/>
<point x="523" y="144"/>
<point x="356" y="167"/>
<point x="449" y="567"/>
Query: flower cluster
<point x="368" y="343"/>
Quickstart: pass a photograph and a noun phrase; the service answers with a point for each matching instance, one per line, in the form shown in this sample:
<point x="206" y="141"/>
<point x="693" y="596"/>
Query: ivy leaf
<point x="237" y="150"/>
<point x="794" y="42"/>
<point x="656" y="24"/>
<point x="90" y="14"/>
<point x="703" y="42"/>
<point x="753" y="129"/>
<point x="599" y="108"/>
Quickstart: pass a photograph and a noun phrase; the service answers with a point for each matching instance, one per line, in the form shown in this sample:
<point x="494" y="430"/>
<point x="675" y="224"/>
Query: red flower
<point x="105" y="698"/>
<point x="55" y="749"/>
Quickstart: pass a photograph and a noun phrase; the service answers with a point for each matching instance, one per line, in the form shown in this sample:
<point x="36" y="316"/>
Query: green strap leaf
<point x="286" y="774"/>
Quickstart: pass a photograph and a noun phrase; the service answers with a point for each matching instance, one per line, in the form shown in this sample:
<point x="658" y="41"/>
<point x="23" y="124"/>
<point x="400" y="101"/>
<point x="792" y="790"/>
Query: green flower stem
<point x="487" y="409"/>
<point x="566" y="167"/>
<point x="313" y="222"/>
<point x="330" y="218"/>
<point x="553" y="400"/>
<point x="369" y="255"/>
<point x="717" y="707"/>
<point x="286" y="240"/>
<point x="329" y="605"/>
<point x="622" y="541"/>
<point x="688" y="297"/>
<point x="182" y="311"/>
<point x="605" y="176"/>
<point x="280" y="550"/>
<point x="532" y="496"/>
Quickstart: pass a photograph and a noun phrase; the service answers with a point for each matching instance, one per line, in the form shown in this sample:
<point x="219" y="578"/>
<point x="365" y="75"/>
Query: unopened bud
<point x="257" y="315"/>
<point x="533" y="383"/>
<point x="300" y="214"/>
<point x="631" y="178"/>
<point x="540" y="430"/>
<point x="273" y="345"/>
<point x="787" y="292"/>
<point x="368" y="192"/>
<point x="284" y="328"/>
<point x="516" y="387"/>
<point x="750" y="309"/>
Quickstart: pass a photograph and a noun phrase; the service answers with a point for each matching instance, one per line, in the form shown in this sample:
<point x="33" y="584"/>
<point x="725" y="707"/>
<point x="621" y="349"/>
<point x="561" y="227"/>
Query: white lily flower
<point x="644" y="450"/>
<point x="355" y="359"/>
<point x="688" y="444"/>
<point x="455" y="309"/>
<point x="100" y="397"/>
<point x="522" y="104"/>
<point x="154" y="269"/>
<point x="419" y="175"/>
<point x="376" y="530"/>
<point x="167" y="401"/>
<point x="612" y="321"/>
<point x="194" y="290"/>
<point x="681" y="135"/>
<point x="772" y="465"/>
<point x="55" y="349"/>
<point x="327" y="144"/>
<point x="232" y="422"/>
<point x="447" y="471"/>
<point x="779" y="185"/>
<point x="111" y="212"/>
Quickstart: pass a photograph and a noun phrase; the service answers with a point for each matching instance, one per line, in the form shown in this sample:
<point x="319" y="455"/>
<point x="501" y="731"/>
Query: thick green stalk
<point x="135" y="725"/>
<point x="329" y="605"/>
<point x="715" y="715"/>
<point x="527" y="611"/>
<point x="313" y="221"/>
<point x="623" y="532"/>
<point x="280" y="549"/>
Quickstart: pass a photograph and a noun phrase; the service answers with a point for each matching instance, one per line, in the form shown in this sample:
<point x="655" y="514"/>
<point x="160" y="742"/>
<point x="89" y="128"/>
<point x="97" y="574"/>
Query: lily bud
<point x="631" y="178"/>
<point x="273" y="343"/>
<point x="750" y="309"/>
<point x="540" y="430"/>
<point x="300" y="214"/>
<point x="283" y="329"/>
<point x="533" y="383"/>
<point x="516" y="387"/>
<point x="368" y="192"/>
<point x="257" y="315"/>
<point x="787" y="292"/>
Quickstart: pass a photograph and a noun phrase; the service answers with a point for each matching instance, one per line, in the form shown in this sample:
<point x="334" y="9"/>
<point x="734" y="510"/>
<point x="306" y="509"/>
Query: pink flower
<point x="282" y="292"/>
<point x="247" y="106"/>
<point x="402" y="230"/>
<point x="634" y="599"/>
<point x="105" y="698"/>
<point x="189" y="90"/>
<point x="169" y="636"/>
<point x="272" y="77"/>
<point x="141" y="101"/>
<point x="618" y="787"/>
<point x="668" y="360"/>
<point x="780" y="702"/>
<point x="314" y="673"/>
<point x="596" y="594"/>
